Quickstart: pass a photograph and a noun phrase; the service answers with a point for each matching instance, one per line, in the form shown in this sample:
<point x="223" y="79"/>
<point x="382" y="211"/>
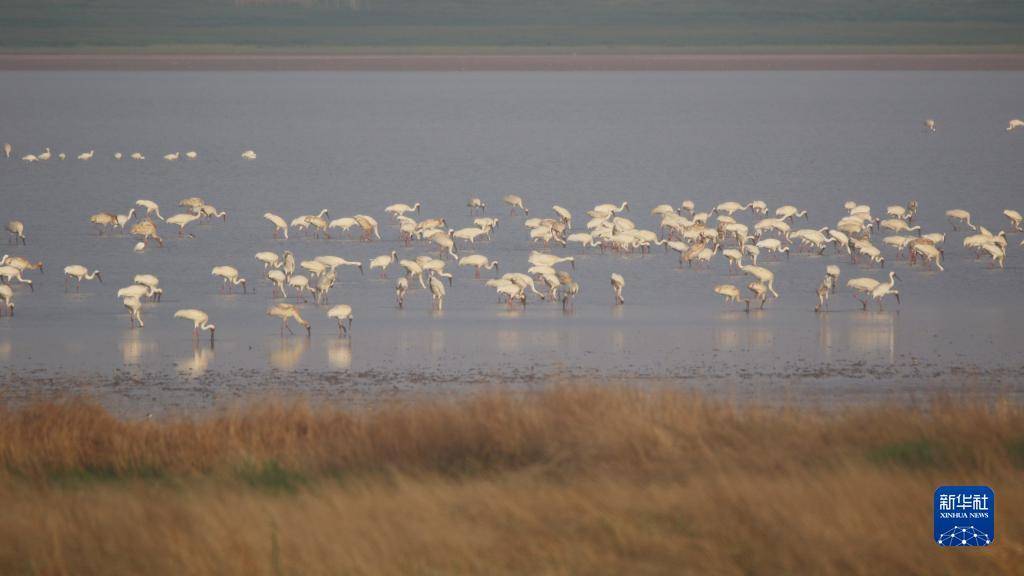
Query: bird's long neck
<point x="206" y="326"/>
<point x="92" y="275"/>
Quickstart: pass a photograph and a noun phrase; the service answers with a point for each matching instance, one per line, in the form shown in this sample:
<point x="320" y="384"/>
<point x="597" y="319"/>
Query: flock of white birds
<point x="697" y="236"/>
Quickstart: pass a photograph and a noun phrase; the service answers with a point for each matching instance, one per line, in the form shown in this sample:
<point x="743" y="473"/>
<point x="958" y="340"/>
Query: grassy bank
<point x="572" y="480"/>
<point x="471" y="26"/>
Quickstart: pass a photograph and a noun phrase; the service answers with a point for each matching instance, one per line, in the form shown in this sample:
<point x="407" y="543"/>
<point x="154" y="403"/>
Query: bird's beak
<point x="212" y="330"/>
<point x="896" y="276"/>
<point x="898" y="298"/>
<point x="361" y="270"/>
<point x="573" y="264"/>
<point x="31" y="288"/>
<point x="309" y="331"/>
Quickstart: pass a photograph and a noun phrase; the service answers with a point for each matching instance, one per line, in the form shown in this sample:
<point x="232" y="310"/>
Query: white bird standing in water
<point x="1014" y="124"/>
<point x="86" y="155"/>
<point x="182" y="220"/>
<point x="383" y="262"/>
<point x="7" y="150"/>
<point x="230" y="276"/>
<point x="249" y="155"/>
<point x="401" y="287"/>
<point x="17" y="231"/>
<point x="79" y="273"/>
<point x="618" y="282"/>
<point x="134" y="306"/>
<point x="958" y="215"/>
<point x="200" y="321"/>
<point x="929" y="125"/>
<point x="280" y="225"/>
<point x="150" y="206"/>
<point x="288" y="312"/>
<point x="514" y="202"/>
<point x="7" y="295"/>
<point x="437" y="291"/>
<point x="342" y="313"/>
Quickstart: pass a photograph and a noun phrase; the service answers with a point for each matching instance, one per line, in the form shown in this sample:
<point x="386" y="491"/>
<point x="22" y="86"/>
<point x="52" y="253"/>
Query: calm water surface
<point x="356" y="142"/>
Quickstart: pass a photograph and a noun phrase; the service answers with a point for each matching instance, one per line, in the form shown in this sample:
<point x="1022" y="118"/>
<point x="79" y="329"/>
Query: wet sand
<point x="511" y="62"/>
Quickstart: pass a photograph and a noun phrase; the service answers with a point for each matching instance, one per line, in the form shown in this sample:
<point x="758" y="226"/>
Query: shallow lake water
<point x="354" y="142"/>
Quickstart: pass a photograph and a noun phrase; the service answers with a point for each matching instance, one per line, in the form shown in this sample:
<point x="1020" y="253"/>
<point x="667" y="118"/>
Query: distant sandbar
<point x="512" y="62"/>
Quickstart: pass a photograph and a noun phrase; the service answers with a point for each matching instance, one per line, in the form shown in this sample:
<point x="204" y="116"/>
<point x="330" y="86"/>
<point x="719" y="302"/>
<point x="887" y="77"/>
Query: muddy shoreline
<point x="511" y="62"/>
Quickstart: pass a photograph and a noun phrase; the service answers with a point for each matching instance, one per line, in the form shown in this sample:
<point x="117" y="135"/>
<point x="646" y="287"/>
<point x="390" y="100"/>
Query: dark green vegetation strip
<point x="414" y="25"/>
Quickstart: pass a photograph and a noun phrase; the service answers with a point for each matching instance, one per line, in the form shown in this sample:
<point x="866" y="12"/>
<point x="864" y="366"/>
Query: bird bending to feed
<point x="478" y="261"/>
<point x="16" y="230"/>
<point x="1014" y="124"/>
<point x="288" y="312"/>
<point x="137" y="156"/>
<point x="230" y="276"/>
<point x="343" y="314"/>
<point x="437" y="292"/>
<point x="401" y="287"/>
<point x="476" y="204"/>
<point x="134" y="306"/>
<point x="182" y="220"/>
<point x="962" y="216"/>
<point x="397" y="210"/>
<point x="280" y="225"/>
<point x="150" y="206"/>
<point x="731" y="293"/>
<point x="929" y="125"/>
<point x="514" y="202"/>
<point x="9" y="273"/>
<point x="383" y="262"/>
<point x="86" y="155"/>
<point x="172" y="157"/>
<point x="618" y="282"/>
<point x="191" y="154"/>
<point x="7" y="295"/>
<point x="79" y="273"/>
<point x="200" y="321"/>
<point x="153" y="283"/>
<point x="249" y="155"/>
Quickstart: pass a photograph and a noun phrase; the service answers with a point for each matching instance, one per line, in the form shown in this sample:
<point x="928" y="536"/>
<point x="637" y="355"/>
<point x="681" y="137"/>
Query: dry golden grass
<point x="571" y="480"/>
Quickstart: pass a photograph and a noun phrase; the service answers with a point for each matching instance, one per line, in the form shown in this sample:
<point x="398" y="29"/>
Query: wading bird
<point x="134" y="306"/>
<point x="280" y="225"/>
<point x="200" y="321"/>
<point x="618" y="283"/>
<point x="150" y="206"/>
<point x="182" y="220"/>
<point x="478" y="261"/>
<point x="7" y="295"/>
<point x="514" y="202"/>
<point x="343" y="314"/>
<point x="383" y="262"/>
<point x="79" y="273"/>
<point x="16" y="231"/>
<point x="288" y="312"/>
<point x="229" y="274"/>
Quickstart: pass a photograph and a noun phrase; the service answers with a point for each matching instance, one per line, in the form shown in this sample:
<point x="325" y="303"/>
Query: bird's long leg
<point x="65" y="284"/>
<point x="290" y="331"/>
<point x="78" y="286"/>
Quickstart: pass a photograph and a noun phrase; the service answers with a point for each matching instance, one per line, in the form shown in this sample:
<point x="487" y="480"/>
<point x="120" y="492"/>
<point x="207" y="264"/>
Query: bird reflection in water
<point x="199" y="361"/>
<point x="133" y="347"/>
<point x="286" y="353"/>
<point x="874" y="334"/>
<point x="507" y="340"/>
<point x="5" y="350"/>
<point x="735" y="332"/>
<point x="864" y="335"/>
<point x="339" y="353"/>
